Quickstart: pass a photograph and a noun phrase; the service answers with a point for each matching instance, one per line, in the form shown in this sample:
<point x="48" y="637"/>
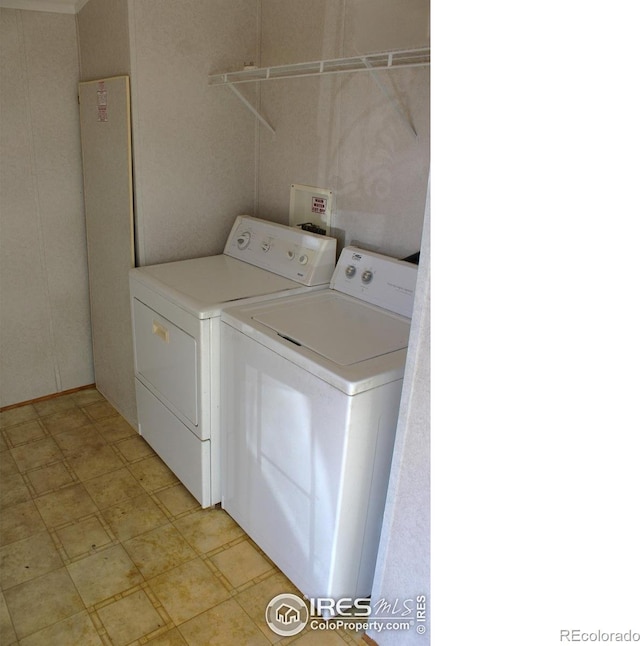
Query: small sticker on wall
<point x="318" y="204"/>
<point x="102" y="102"/>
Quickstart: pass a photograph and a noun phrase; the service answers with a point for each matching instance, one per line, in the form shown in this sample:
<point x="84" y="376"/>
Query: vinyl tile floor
<point x="100" y="544"/>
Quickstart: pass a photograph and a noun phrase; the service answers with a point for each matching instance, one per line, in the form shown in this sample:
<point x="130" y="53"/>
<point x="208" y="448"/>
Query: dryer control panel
<point x="307" y="258"/>
<point x="376" y="279"/>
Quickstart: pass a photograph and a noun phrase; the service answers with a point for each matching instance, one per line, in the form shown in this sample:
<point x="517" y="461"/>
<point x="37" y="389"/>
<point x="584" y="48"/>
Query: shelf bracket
<point x="393" y="100"/>
<point x="248" y="105"/>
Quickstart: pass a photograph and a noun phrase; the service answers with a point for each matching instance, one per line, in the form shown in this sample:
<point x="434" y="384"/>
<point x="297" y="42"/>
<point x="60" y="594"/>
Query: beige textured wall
<point x="403" y="568"/>
<point x="340" y="132"/>
<point x="194" y="151"/>
<point x="45" y="341"/>
<point x="194" y="146"/>
<point x="103" y="36"/>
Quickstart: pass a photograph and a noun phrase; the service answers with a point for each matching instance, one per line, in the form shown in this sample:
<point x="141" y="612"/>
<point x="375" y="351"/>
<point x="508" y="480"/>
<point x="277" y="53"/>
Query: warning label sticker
<point x="318" y="204"/>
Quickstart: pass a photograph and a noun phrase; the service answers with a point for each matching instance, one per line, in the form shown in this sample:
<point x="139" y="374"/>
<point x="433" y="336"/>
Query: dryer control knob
<point x="243" y="240"/>
<point x="367" y="276"/>
<point x="350" y="271"/>
<point x="304" y="259"/>
<point x="291" y="254"/>
<point x="266" y="245"/>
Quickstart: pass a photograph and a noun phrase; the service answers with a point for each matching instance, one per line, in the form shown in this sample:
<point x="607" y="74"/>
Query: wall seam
<point x="136" y="129"/>
<point x="256" y="125"/>
<point x="36" y="191"/>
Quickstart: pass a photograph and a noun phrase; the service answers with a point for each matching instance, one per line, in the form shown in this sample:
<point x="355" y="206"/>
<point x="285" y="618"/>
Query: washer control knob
<point x="243" y="240"/>
<point x="304" y="259"/>
<point x="291" y="254"/>
<point x="350" y="271"/>
<point x="266" y="245"/>
<point x="367" y="276"/>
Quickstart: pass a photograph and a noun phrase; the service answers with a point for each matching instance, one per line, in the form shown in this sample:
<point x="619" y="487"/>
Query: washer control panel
<point x="376" y="279"/>
<point x="307" y="258"/>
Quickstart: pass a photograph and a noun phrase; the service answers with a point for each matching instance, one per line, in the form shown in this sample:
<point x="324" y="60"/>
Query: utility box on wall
<point x="311" y="206"/>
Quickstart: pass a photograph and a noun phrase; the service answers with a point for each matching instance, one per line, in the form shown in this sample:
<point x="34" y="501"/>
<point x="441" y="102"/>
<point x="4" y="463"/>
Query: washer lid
<point x="339" y="328"/>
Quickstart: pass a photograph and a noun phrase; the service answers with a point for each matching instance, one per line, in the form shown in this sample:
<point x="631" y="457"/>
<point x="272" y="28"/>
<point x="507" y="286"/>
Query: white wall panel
<point x="194" y="147"/>
<point x="301" y="30"/>
<point x="103" y="36"/>
<point x="341" y="132"/>
<point x="382" y="165"/>
<point x="45" y="339"/>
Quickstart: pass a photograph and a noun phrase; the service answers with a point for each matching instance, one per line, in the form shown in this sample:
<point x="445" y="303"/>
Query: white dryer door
<point x="166" y="361"/>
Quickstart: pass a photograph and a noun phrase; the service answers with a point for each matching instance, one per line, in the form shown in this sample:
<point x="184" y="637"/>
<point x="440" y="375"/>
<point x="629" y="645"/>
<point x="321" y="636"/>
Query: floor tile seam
<point x="2" y="414"/>
<point x="37" y="494"/>
<point x="34" y="579"/>
<point x="121" y="594"/>
<point x="13" y="626"/>
<point x="68" y="559"/>
<point x="53" y="529"/>
<point x="9" y="442"/>
<point x="106" y="433"/>
<point x="157" y="604"/>
<point x="198" y="557"/>
<point x="100" y="627"/>
<point x="2" y="485"/>
<point x="50" y="529"/>
<point x="43" y="464"/>
<point x="211" y="607"/>
<point x="250" y="583"/>
<point x="125" y="500"/>
<point x="147" y="532"/>
<point x="261" y="552"/>
<point x="61" y="427"/>
<point x="147" y="579"/>
<point x="120" y="453"/>
<point x="228" y="586"/>
<point x="107" y="504"/>
<point x="101" y="418"/>
<point x="100" y="631"/>
<point x="154" y="490"/>
<point x="48" y="626"/>
<point x="72" y="521"/>
<point x="45" y="435"/>
<point x="152" y="494"/>
<point x="60" y="410"/>
<point x="5" y="588"/>
<point x="169" y="513"/>
<point x="77" y="451"/>
<point x="166" y="573"/>
<point x="83" y="457"/>
<point x="223" y="548"/>
<point x="165" y="510"/>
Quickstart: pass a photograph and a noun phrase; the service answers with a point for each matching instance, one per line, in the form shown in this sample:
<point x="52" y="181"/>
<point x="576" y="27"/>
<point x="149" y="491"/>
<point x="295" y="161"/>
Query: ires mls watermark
<point x="287" y="614"/>
<point x="578" y="635"/>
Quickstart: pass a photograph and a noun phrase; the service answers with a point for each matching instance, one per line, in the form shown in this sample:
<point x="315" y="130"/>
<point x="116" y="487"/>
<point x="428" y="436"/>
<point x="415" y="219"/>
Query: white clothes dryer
<point x="176" y="310"/>
<point x="309" y="410"/>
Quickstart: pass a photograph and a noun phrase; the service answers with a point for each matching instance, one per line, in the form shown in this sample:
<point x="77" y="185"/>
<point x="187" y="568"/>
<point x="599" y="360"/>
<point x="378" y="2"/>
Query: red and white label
<point x="101" y="101"/>
<point x="318" y="204"/>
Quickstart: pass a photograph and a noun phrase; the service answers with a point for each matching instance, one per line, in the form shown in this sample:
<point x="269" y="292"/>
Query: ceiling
<point x="55" y="6"/>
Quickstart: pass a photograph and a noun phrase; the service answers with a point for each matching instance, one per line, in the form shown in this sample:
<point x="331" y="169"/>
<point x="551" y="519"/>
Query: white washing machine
<point x="309" y="411"/>
<point x="176" y="310"/>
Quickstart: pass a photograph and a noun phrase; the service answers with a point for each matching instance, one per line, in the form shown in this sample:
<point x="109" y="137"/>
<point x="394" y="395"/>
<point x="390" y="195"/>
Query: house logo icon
<point x="286" y="615"/>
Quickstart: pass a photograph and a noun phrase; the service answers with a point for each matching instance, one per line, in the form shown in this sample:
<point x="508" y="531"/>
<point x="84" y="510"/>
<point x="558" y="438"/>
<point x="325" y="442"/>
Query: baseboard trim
<point x="46" y="397"/>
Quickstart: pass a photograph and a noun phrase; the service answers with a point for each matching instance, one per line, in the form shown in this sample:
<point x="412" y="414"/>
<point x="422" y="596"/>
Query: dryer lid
<point x="339" y="328"/>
